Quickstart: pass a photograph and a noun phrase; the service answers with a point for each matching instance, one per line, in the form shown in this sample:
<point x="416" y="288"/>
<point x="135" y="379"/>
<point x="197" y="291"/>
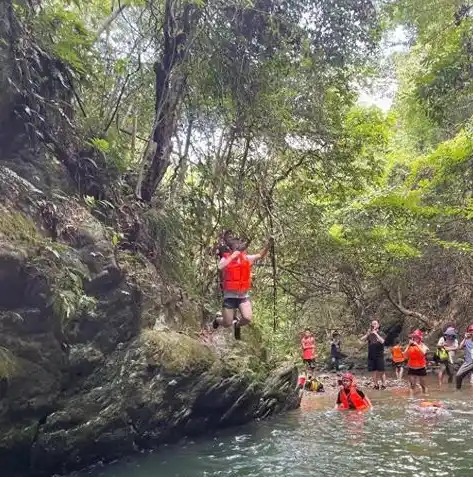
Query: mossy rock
<point x="177" y="353"/>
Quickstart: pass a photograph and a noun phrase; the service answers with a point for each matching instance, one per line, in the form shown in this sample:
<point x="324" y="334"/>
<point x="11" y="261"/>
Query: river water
<point x="393" y="439"/>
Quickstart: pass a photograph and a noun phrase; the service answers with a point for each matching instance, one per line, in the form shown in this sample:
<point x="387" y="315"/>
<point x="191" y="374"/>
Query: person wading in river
<point x="446" y="352"/>
<point x="376" y="366"/>
<point x="349" y="396"/>
<point x="308" y="351"/>
<point x="398" y="359"/>
<point x="415" y="353"/>
<point x="467" y="366"/>
<point x="235" y="266"/>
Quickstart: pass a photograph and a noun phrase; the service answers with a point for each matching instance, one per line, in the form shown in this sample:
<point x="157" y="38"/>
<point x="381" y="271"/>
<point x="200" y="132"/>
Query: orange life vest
<point x="237" y="274"/>
<point x="415" y="357"/>
<point x="352" y="398"/>
<point x="397" y="354"/>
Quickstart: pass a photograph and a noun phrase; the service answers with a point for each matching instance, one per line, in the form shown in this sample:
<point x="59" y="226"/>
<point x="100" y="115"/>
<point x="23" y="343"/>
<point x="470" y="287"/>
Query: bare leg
<point x="401" y="372"/>
<point x="422" y="383"/>
<point x="440" y="375"/>
<point x="412" y="384"/>
<point x="375" y="378"/>
<point x="246" y="312"/>
<point x="383" y="378"/>
<point x="227" y="317"/>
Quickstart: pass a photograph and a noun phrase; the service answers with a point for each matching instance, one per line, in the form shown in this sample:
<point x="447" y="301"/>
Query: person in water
<point x="415" y="353"/>
<point x="336" y="350"/>
<point x="398" y="359"/>
<point x="349" y="396"/>
<point x="375" y="340"/>
<point x="235" y="266"/>
<point x="447" y="347"/>
<point x="308" y="350"/>
<point x="467" y="366"/>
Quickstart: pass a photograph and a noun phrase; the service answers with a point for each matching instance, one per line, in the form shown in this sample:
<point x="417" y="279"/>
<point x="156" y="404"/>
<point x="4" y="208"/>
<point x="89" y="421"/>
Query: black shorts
<point x="398" y="365"/>
<point x="417" y="372"/>
<point x="376" y="363"/>
<point x="233" y="303"/>
<point x="310" y="363"/>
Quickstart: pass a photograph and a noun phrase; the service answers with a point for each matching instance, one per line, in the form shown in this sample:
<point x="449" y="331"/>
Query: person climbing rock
<point x="375" y="340"/>
<point x="467" y="366"/>
<point x="308" y="351"/>
<point x="235" y="266"/>
<point x="349" y="396"/>
<point x="415" y="353"/>
<point x="398" y="359"/>
<point x="447" y="347"/>
<point x="336" y="350"/>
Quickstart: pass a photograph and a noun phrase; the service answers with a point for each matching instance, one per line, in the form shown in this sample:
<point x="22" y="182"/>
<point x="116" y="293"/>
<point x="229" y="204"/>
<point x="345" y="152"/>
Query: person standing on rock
<point x="235" y="266"/>
<point x="375" y="340"/>
<point x="308" y="350"/>
<point x="336" y="350"/>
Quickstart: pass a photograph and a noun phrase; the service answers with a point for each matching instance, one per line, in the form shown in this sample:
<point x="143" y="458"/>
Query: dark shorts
<point x="417" y="372"/>
<point x="233" y="303"/>
<point x="398" y="365"/>
<point x="310" y="363"/>
<point x="376" y="363"/>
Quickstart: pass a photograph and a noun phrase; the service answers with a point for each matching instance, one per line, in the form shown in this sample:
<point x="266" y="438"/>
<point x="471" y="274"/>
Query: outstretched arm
<point x="263" y="252"/>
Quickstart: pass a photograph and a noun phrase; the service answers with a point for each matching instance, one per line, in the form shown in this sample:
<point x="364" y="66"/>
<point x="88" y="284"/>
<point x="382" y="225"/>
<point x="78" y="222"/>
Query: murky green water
<point x="392" y="439"/>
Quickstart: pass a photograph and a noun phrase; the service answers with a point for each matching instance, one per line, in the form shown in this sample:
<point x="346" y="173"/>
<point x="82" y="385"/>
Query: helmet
<point x="450" y="331"/>
<point x="347" y="377"/>
<point x="470" y="329"/>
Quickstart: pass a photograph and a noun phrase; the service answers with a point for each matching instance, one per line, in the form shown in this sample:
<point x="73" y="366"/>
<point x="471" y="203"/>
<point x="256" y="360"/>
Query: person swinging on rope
<point x="235" y="267"/>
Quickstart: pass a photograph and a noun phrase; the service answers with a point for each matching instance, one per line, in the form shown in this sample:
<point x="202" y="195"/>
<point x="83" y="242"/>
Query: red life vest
<point x="397" y="354"/>
<point x="237" y="274"/>
<point x="415" y="357"/>
<point x="308" y="347"/>
<point x="352" y="398"/>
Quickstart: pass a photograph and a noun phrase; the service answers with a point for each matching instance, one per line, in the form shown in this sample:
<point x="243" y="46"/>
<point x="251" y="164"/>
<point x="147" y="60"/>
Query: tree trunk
<point x="170" y="87"/>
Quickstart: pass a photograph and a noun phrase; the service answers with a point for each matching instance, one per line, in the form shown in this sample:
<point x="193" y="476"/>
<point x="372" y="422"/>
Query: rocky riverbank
<point x="99" y="356"/>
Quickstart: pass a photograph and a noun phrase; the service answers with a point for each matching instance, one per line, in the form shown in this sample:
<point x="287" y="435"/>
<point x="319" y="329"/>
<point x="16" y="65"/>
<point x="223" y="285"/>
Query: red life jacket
<point x="352" y="398"/>
<point x="237" y="274"/>
<point x="308" y="347"/>
<point x="416" y="358"/>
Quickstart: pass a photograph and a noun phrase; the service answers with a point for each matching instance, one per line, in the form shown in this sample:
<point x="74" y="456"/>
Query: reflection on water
<point x="392" y="439"/>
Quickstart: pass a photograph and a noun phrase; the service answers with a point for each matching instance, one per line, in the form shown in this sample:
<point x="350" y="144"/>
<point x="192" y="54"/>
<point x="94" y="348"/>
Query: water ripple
<point x="393" y="440"/>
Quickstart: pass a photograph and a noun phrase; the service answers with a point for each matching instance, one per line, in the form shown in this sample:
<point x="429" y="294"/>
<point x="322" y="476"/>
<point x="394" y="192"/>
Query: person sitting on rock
<point x="236" y="280"/>
<point x="349" y="396"/>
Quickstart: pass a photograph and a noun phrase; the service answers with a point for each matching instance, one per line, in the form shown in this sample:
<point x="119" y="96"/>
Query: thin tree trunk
<point x="170" y="85"/>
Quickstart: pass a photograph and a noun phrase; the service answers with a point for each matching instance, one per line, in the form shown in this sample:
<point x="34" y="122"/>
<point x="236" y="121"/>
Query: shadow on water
<point x="392" y="439"/>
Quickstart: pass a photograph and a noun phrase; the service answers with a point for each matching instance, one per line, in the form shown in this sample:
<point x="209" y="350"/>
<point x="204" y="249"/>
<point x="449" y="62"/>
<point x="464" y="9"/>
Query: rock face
<point x="93" y="365"/>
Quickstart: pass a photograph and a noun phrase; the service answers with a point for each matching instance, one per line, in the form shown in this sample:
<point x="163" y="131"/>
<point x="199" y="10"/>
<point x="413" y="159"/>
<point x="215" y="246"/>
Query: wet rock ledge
<point x="93" y="361"/>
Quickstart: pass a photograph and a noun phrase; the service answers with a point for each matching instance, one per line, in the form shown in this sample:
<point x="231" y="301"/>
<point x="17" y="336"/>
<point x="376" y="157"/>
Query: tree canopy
<point x="244" y="114"/>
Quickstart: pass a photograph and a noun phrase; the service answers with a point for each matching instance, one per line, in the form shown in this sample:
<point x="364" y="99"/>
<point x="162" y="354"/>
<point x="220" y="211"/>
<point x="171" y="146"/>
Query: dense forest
<point x="134" y="132"/>
<point x="178" y="119"/>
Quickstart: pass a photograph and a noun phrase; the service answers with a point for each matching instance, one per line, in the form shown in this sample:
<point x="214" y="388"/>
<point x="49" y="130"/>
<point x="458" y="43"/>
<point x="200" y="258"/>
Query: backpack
<point x="441" y="355"/>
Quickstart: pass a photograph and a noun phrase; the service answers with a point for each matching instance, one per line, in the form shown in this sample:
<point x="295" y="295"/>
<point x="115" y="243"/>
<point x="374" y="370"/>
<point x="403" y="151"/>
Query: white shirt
<point x="451" y="353"/>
